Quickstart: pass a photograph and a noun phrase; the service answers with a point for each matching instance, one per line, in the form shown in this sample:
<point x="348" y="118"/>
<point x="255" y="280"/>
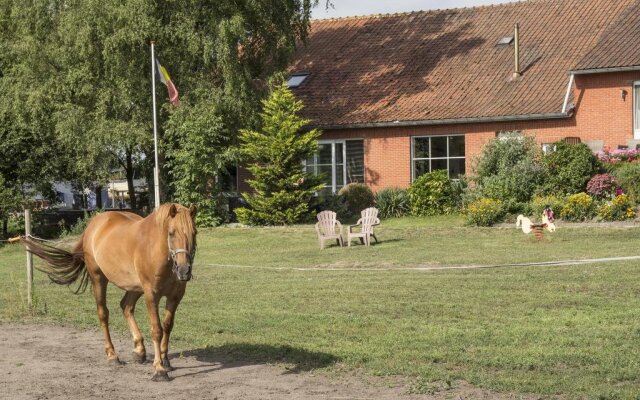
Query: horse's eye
<point x="171" y="234"/>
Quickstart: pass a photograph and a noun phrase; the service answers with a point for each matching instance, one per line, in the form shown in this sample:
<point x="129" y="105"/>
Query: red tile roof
<point x="425" y="67"/>
<point x="619" y="45"/>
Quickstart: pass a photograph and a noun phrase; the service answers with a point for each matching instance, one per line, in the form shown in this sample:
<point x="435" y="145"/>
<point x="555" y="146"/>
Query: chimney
<point x="516" y="36"/>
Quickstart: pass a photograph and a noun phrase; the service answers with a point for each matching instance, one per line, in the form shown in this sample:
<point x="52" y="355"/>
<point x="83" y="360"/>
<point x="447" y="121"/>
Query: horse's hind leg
<point x="100" y="293"/>
<point x="128" y="305"/>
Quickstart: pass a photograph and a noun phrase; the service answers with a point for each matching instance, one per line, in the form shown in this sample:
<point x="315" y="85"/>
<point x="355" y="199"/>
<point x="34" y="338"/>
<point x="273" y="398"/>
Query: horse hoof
<point x="115" y="361"/>
<point x="139" y="358"/>
<point x="160" y="377"/>
<point x="167" y="365"/>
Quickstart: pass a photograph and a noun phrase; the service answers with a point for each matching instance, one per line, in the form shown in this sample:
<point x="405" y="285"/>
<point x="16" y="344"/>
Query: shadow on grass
<point x="243" y="354"/>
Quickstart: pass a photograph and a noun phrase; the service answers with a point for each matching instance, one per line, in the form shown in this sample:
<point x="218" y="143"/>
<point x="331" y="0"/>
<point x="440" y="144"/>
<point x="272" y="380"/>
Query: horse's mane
<point x="182" y="219"/>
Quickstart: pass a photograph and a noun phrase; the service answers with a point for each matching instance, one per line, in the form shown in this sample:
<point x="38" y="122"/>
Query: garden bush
<point x="331" y="202"/>
<point x="393" y="203"/>
<point x="510" y="170"/>
<point x="578" y="207"/>
<point x="628" y="177"/>
<point x="357" y="197"/>
<point x="570" y="167"/>
<point x="484" y="212"/>
<point x="433" y="194"/>
<point x="539" y="203"/>
<point x="618" y="209"/>
<point x="602" y="186"/>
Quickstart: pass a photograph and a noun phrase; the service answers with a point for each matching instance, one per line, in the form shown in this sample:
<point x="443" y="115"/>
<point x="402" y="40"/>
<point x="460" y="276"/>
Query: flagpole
<point x="156" y="169"/>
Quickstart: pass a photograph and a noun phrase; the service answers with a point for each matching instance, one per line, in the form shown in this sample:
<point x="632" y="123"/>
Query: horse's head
<point x="181" y="238"/>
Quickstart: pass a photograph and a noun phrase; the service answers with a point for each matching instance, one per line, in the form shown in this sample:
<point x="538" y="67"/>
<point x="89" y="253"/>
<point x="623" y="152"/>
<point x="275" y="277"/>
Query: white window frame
<point x="636" y="109"/>
<point x="334" y="166"/>
<point x="413" y="159"/>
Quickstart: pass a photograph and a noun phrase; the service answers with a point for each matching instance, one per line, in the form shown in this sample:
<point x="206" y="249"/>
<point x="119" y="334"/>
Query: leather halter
<point x="174" y="253"/>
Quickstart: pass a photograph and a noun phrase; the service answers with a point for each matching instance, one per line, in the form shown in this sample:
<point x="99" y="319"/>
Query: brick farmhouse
<point x="402" y="94"/>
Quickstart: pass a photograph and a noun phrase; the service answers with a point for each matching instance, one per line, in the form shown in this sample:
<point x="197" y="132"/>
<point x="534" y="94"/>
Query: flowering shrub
<point x="628" y="177"/>
<point x="619" y="209"/>
<point x="602" y="186"/>
<point x="484" y="212"/>
<point x="616" y="156"/>
<point x="578" y="207"/>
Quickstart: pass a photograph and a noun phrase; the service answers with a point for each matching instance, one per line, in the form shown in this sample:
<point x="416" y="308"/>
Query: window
<point x="296" y="80"/>
<point x="505" y="41"/>
<point x="636" y="110"/>
<point x="430" y="153"/>
<point x="339" y="161"/>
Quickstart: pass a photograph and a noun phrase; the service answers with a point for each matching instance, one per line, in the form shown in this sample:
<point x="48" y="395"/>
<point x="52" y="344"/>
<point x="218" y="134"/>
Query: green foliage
<point x="484" y="212"/>
<point x="539" y="203"/>
<point x="79" y="226"/>
<point x="357" y="197"/>
<point x="332" y="202"/>
<point x="393" y="203"/>
<point x="75" y="79"/>
<point x="618" y="209"/>
<point x="570" y="167"/>
<point x="578" y="207"/>
<point x="432" y="194"/>
<point x="203" y="148"/>
<point x="509" y="169"/>
<point x="628" y="177"/>
<point x="282" y="188"/>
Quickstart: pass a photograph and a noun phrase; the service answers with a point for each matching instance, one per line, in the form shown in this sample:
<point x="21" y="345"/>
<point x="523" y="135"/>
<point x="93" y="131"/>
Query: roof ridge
<point x="506" y="3"/>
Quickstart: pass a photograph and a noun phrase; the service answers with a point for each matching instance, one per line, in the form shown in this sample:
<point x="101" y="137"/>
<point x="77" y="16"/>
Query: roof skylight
<point x="296" y="80"/>
<point x="505" y="41"/>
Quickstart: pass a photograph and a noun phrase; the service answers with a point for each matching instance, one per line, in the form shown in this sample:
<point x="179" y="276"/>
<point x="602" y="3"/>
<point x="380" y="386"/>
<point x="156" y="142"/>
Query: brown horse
<point x="150" y="257"/>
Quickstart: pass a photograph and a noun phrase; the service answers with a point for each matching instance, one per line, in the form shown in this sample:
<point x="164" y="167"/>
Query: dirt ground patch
<point x="53" y="362"/>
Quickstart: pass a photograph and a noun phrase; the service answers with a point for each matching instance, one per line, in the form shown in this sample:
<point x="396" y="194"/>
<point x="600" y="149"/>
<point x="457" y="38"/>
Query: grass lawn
<point x="570" y="330"/>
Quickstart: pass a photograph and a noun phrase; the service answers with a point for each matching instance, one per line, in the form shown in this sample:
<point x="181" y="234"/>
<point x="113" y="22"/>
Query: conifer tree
<point x="282" y="188"/>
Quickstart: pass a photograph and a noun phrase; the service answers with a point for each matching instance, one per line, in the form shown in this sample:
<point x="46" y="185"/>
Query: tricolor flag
<point x="166" y="79"/>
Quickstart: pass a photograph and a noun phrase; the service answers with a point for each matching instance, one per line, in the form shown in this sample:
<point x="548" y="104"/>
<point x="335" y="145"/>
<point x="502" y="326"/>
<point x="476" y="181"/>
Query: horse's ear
<point x="193" y="211"/>
<point x="173" y="211"/>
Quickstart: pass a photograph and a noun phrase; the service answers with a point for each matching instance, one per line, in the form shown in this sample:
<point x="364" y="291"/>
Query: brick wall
<point x="600" y="114"/>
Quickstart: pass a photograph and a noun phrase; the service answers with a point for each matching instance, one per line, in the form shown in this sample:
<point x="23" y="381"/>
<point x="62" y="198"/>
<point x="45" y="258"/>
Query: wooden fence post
<point x="27" y="231"/>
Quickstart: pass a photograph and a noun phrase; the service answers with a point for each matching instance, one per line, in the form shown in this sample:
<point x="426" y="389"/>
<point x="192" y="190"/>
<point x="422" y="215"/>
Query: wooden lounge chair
<point x="326" y="228"/>
<point x="368" y="219"/>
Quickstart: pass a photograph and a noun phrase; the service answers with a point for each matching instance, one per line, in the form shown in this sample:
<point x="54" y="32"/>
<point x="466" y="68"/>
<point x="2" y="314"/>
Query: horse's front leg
<point x="151" y="299"/>
<point x="167" y="325"/>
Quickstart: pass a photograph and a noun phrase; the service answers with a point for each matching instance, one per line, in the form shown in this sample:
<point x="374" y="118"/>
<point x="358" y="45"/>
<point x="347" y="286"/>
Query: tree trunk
<point x="129" y="172"/>
<point x="98" y="190"/>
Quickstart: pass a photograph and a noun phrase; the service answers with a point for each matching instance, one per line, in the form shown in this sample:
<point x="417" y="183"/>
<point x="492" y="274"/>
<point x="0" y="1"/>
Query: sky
<point x="344" y="8"/>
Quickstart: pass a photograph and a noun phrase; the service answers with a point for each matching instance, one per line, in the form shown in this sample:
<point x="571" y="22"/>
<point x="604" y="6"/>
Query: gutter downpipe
<point x="566" y="97"/>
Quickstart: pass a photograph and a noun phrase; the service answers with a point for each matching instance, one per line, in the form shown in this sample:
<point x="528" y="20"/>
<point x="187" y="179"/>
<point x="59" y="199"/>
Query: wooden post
<point x="27" y="231"/>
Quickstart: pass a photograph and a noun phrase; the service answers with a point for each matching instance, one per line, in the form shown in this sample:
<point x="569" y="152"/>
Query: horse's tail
<point x="63" y="267"/>
<point x="519" y="220"/>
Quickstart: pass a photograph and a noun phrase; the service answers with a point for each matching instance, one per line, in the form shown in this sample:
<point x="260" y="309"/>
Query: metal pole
<point x="517" y="50"/>
<point x="156" y="169"/>
<point x="27" y="232"/>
